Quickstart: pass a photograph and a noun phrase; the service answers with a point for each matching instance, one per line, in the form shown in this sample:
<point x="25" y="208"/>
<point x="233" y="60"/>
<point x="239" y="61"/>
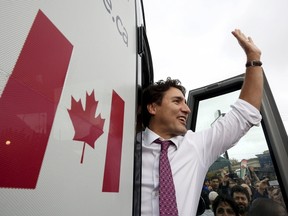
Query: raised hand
<point x="251" y="50"/>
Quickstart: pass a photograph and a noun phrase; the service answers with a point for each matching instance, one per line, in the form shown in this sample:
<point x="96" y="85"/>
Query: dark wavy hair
<point x="224" y="199"/>
<point x="154" y="94"/>
<point x="240" y="189"/>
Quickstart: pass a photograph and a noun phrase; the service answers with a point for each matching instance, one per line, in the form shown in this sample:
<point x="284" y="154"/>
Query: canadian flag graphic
<point x="29" y="101"/>
<point x="28" y="106"/>
<point x="89" y="128"/>
<point x="68" y="91"/>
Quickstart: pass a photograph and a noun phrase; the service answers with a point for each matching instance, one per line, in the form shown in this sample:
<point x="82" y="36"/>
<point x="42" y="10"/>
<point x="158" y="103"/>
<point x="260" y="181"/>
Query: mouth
<point x="183" y="119"/>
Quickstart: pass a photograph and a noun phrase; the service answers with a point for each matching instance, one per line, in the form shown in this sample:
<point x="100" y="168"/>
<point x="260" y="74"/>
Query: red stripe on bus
<point x="111" y="178"/>
<point x="29" y="101"/>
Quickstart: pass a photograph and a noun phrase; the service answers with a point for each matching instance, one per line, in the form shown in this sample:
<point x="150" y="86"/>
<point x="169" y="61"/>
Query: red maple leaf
<point x="87" y="128"/>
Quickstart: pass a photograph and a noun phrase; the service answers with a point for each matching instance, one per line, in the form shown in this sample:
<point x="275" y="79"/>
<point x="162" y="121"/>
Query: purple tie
<point x="167" y="197"/>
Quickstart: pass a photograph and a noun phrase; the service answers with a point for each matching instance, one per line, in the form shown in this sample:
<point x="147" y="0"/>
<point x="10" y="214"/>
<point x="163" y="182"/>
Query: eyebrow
<point x="179" y="98"/>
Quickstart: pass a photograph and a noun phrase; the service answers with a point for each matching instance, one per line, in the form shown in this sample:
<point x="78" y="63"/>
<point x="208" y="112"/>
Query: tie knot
<point x="164" y="144"/>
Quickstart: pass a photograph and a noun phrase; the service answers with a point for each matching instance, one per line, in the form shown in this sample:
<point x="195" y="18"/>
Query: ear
<point x="152" y="108"/>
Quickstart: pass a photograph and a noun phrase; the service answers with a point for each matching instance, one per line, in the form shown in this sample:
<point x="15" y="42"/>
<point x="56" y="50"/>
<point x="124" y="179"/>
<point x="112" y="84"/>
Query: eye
<point x="220" y="211"/>
<point x="177" y="101"/>
<point x="230" y="212"/>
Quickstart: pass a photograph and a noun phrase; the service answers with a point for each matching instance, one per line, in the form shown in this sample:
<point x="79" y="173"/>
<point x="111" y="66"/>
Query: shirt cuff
<point x="248" y="111"/>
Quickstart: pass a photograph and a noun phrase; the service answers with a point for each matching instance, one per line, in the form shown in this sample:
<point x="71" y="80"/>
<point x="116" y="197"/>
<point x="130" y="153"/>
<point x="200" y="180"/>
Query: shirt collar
<point x="150" y="136"/>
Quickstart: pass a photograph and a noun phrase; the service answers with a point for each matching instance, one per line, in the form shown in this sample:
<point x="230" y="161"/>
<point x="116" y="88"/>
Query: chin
<point x="182" y="131"/>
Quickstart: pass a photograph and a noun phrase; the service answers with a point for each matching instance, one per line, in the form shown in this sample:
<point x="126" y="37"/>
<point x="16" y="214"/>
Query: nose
<point x="186" y="109"/>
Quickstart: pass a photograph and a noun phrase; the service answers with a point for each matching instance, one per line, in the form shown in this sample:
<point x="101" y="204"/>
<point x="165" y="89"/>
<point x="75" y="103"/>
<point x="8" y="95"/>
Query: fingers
<point x="241" y="37"/>
<point x="250" y="40"/>
<point x="251" y="50"/>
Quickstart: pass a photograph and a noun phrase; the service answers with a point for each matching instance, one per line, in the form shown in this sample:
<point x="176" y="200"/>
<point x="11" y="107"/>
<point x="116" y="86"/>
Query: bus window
<point x="261" y="154"/>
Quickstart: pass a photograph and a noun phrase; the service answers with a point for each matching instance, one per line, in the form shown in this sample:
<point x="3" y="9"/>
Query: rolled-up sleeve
<point x="248" y="111"/>
<point x="227" y="131"/>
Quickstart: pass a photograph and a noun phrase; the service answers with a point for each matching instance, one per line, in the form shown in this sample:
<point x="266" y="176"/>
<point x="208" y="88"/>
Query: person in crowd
<point x="276" y="195"/>
<point x="205" y="193"/>
<point x="220" y="184"/>
<point x="261" y="189"/>
<point x="232" y="183"/>
<point x="224" y="206"/>
<point x="242" y="198"/>
<point x="253" y="178"/>
<point x="248" y="188"/>
<point x="214" y="183"/>
<point x="212" y="196"/>
<point x="264" y="206"/>
<point x="224" y="184"/>
<point x="240" y="181"/>
<point x="190" y="154"/>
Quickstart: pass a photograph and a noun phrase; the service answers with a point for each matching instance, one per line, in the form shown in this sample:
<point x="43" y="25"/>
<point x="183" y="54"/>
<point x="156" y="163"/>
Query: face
<point x="215" y="184"/>
<point x="169" y="118"/>
<point x="257" y="185"/>
<point x="224" y="209"/>
<point x="231" y="183"/>
<point x="241" y="201"/>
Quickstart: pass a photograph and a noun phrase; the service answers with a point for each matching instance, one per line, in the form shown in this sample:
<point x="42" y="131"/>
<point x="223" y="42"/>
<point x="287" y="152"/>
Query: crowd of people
<point x="229" y="195"/>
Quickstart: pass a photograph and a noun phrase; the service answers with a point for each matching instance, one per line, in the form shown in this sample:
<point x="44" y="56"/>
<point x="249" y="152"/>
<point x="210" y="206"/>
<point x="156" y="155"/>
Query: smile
<point x="183" y="119"/>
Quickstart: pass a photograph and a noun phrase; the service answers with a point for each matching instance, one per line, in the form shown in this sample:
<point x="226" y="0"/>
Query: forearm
<point x="252" y="88"/>
<point x="253" y="84"/>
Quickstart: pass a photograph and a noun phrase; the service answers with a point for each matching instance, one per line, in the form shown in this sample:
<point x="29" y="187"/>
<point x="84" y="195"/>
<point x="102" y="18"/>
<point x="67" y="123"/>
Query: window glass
<point x="249" y="161"/>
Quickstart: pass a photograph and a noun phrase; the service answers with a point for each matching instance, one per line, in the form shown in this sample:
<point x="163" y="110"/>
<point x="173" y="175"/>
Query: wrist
<point x="253" y="63"/>
<point x="253" y="57"/>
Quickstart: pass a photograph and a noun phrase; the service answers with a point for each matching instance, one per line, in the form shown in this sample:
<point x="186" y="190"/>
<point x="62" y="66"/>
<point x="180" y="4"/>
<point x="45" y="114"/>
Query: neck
<point x="161" y="133"/>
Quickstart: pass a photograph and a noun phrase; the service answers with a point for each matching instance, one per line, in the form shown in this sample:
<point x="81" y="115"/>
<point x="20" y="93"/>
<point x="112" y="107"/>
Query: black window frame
<point x="273" y="127"/>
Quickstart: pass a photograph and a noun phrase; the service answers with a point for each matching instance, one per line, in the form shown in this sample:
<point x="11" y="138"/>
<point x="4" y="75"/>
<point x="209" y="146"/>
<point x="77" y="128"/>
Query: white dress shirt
<point x="191" y="157"/>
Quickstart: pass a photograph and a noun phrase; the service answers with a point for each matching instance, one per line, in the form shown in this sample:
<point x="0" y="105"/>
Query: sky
<point x="191" y="40"/>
